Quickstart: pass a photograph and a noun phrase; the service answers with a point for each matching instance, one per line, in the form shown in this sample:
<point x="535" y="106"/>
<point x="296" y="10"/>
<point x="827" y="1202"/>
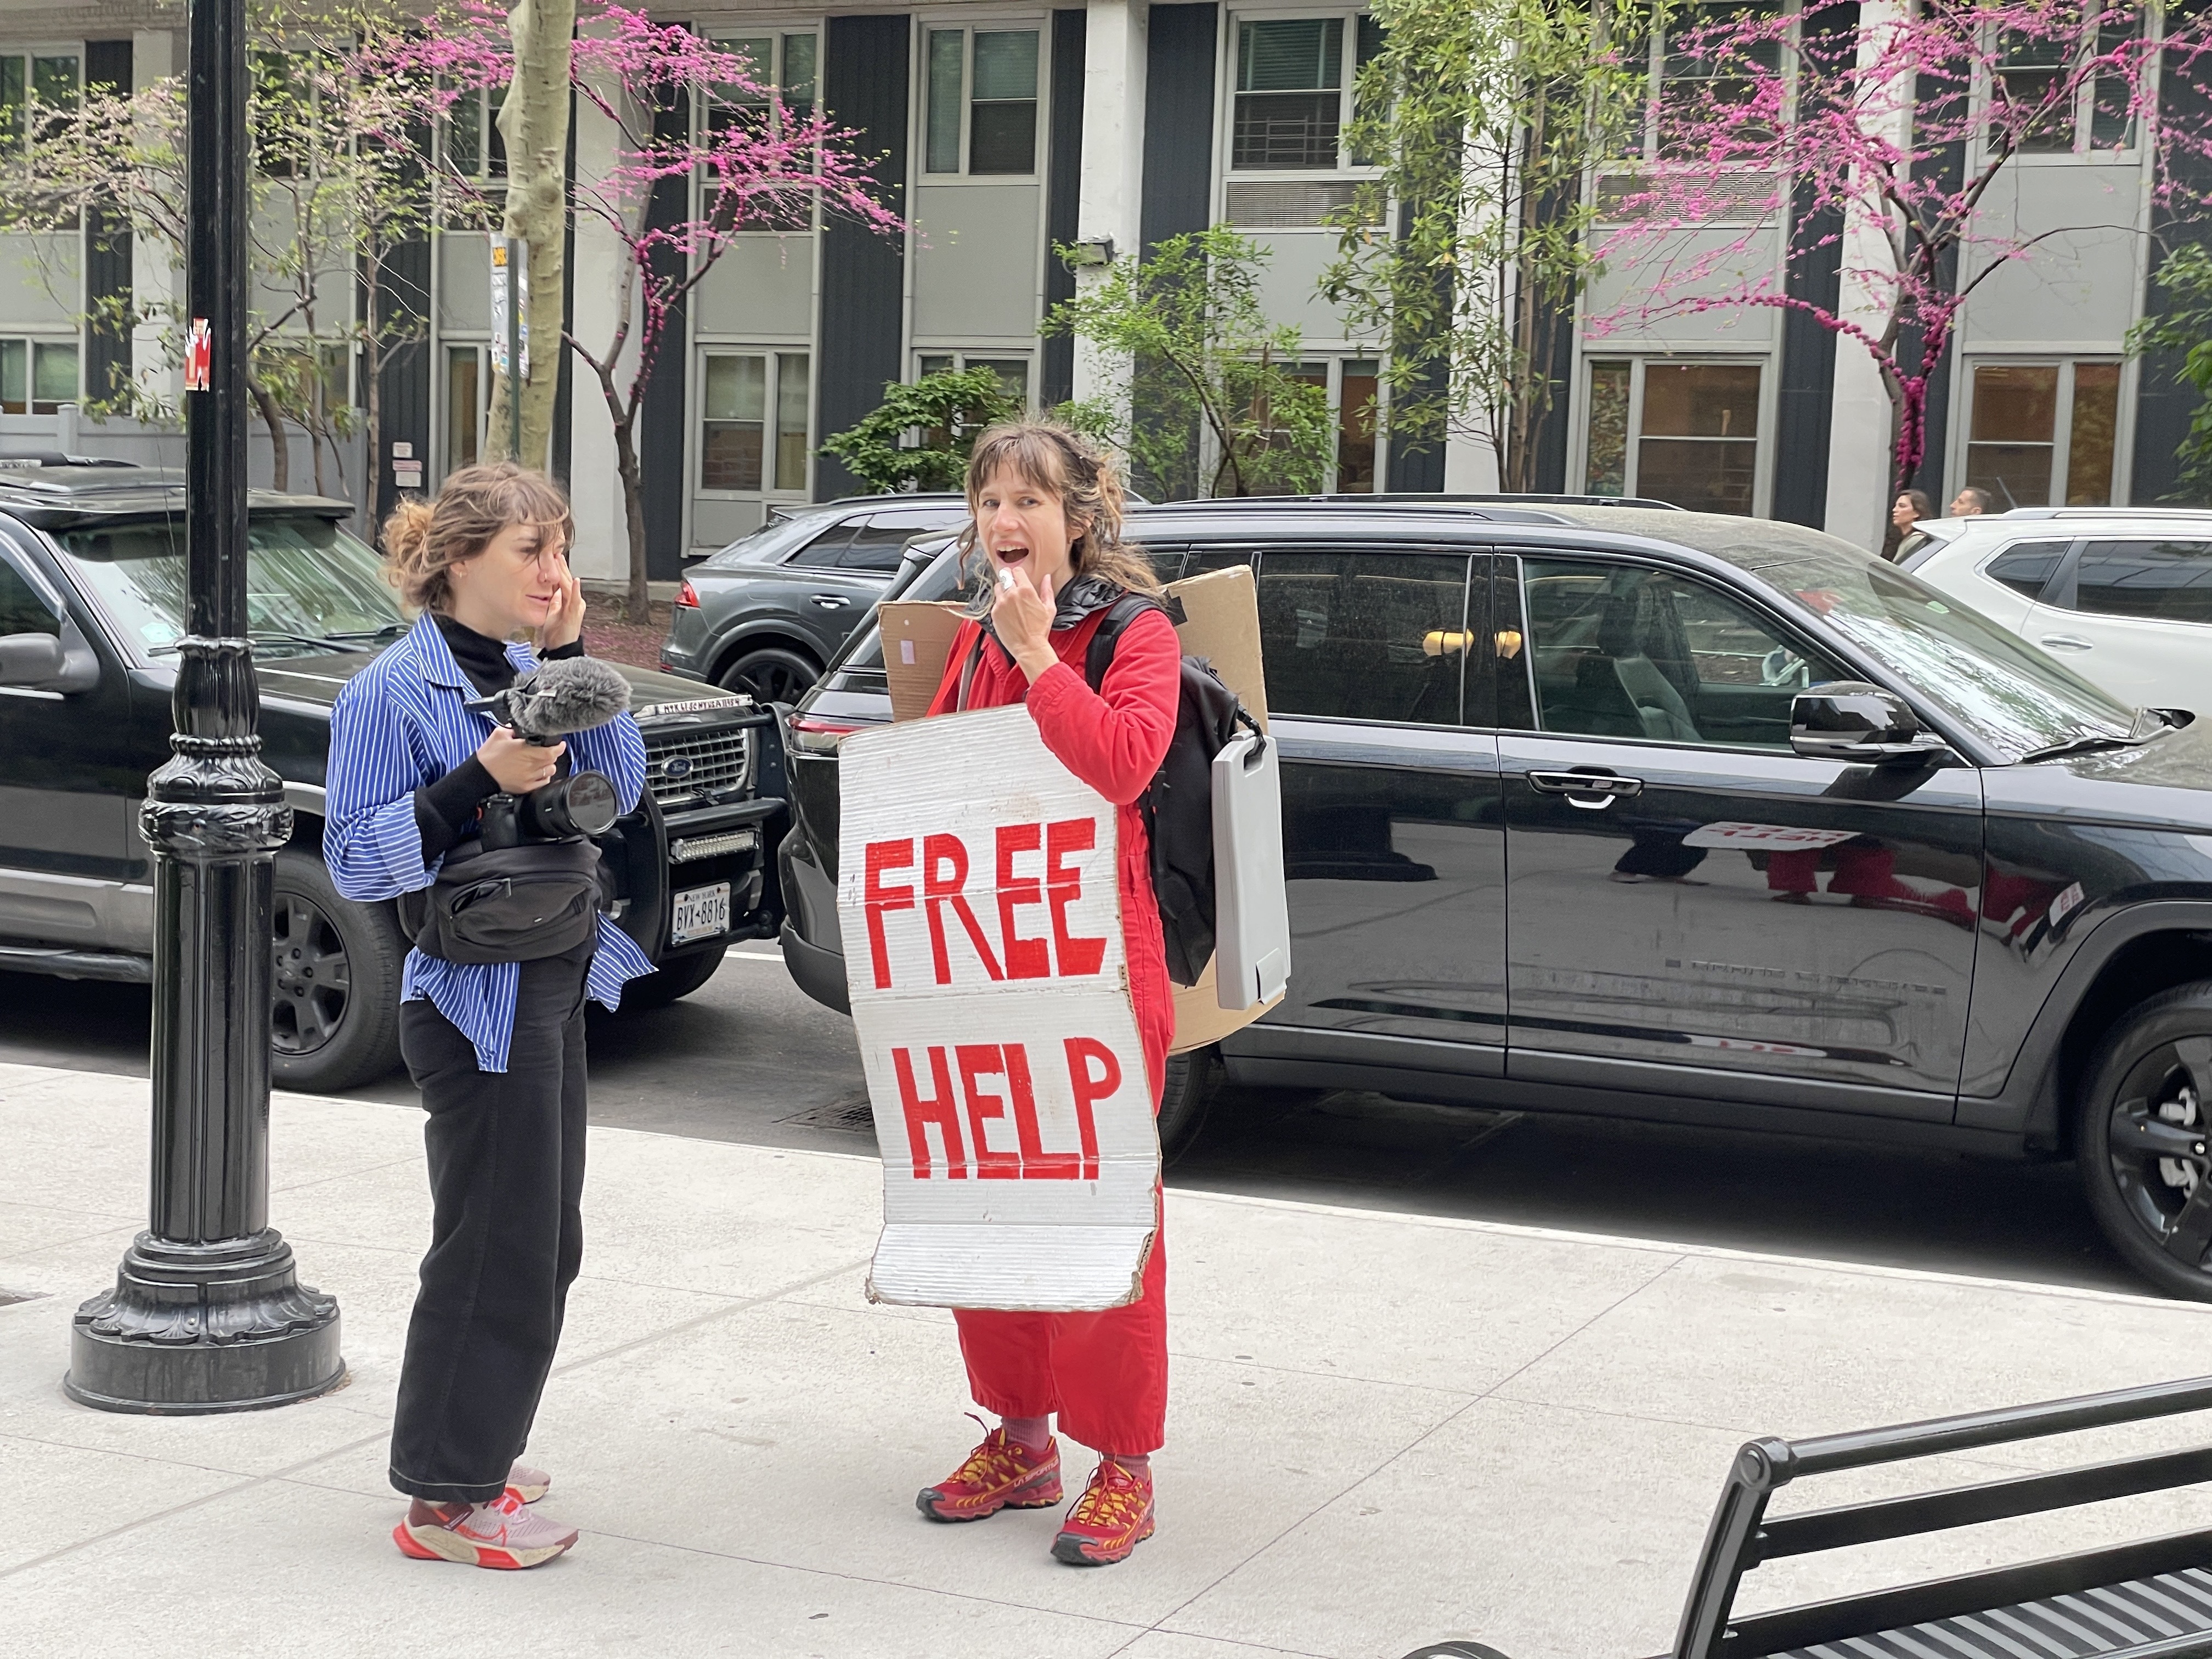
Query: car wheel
<point x="771" y="674"/>
<point x="2143" y="1139"/>
<point x="334" y="990"/>
<point x="1193" y="1084"/>
<point x="678" y="979"/>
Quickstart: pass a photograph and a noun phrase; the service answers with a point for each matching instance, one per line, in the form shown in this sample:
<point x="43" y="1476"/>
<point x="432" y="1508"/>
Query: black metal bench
<point x="2151" y="1599"/>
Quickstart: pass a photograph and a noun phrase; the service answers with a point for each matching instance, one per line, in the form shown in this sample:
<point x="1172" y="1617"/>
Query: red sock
<point x="1141" y="1466"/>
<point x="1035" y="1433"/>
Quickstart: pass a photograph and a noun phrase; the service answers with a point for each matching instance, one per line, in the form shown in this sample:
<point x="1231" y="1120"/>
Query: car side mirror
<point x="1853" y="721"/>
<point x="38" y="662"/>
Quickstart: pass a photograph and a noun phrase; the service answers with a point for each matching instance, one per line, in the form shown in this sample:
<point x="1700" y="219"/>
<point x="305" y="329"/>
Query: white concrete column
<point x="1859" y="414"/>
<point x="596" y="276"/>
<point x="154" y="54"/>
<point x="1470" y="465"/>
<point x="1111" y="201"/>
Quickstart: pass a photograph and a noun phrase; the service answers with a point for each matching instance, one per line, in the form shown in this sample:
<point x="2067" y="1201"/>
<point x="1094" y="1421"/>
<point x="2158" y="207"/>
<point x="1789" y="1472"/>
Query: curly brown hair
<point x="424" y="540"/>
<point x="1049" y="456"/>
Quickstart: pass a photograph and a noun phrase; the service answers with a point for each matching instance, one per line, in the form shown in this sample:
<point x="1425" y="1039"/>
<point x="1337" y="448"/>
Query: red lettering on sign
<point x="944" y="873"/>
<point x="943" y="1111"/>
<point x="1037" y="1164"/>
<point x="1075" y="955"/>
<point x="876" y="898"/>
<point x="981" y="1060"/>
<point x="1090" y="1087"/>
<point x="1026" y="958"/>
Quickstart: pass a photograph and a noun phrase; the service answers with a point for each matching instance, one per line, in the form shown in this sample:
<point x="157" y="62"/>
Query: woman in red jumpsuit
<point x="1046" y="536"/>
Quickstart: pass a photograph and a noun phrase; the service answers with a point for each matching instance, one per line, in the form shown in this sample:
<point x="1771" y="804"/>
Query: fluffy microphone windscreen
<point x="575" y="694"/>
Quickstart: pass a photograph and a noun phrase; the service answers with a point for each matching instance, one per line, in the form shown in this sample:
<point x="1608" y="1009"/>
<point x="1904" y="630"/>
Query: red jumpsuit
<point x="1106" y="1374"/>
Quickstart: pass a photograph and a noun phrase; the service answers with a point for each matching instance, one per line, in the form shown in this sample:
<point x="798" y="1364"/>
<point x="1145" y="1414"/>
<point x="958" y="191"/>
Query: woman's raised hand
<point x="564" y="623"/>
<point x="1022" y="617"/>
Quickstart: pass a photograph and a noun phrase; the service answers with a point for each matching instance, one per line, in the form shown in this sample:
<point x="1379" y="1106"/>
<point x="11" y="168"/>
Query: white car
<point x="2121" y="595"/>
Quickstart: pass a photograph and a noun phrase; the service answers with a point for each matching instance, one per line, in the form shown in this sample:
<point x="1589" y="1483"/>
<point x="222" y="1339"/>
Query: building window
<point x="1684" y="433"/>
<point x="982" y="86"/>
<point x="1013" y="372"/>
<point x="468" y="400"/>
<point x="1354" y="385"/>
<point x="474" y="146"/>
<point x="2044" y="435"/>
<point x="37" y="377"/>
<point x="1293" y="97"/>
<point x="785" y="63"/>
<point x="1710" y="82"/>
<point x="2031" y="107"/>
<point x="30" y="82"/>
<point x="754" y="421"/>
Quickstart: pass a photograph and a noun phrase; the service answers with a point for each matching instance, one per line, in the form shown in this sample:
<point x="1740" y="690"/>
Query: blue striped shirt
<point x="401" y="724"/>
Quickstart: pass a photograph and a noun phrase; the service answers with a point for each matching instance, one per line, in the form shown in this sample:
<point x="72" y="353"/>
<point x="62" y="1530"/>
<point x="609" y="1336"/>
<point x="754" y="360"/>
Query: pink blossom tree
<point x="1893" y="135"/>
<point x="706" y="149"/>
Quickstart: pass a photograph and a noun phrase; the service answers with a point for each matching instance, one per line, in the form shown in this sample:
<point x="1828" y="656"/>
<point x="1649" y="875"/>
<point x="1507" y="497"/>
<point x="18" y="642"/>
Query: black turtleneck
<point x="444" y="811"/>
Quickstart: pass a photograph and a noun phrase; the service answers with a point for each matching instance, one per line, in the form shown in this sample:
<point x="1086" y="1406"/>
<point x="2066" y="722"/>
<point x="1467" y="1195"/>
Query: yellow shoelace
<point x="1110" y="1502"/>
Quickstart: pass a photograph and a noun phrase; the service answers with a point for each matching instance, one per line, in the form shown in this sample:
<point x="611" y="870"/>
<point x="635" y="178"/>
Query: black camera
<point x="552" y="702"/>
<point x="580" y="805"/>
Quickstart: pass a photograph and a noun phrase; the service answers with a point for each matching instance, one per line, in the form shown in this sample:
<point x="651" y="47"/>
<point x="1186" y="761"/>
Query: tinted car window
<point x="21" y="610"/>
<point x="2162" y="581"/>
<point x="2025" y="567"/>
<point x="823" y="551"/>
<point x="1624" y="651"/>
<point x="2001" y="688"/>
<point x="878" y="542"/>
<point x="303" y="576"/>
<point x="1375" y="636"/>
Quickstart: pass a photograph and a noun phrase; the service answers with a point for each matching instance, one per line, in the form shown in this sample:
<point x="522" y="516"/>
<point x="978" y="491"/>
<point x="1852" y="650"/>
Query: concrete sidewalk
<point x="1387" y="1429"/>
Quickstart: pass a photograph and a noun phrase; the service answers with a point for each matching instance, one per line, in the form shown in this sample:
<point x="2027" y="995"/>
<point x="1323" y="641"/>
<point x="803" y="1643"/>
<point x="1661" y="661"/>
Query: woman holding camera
<point x="1046" y="540"/>
<point x="496" y="1047"/>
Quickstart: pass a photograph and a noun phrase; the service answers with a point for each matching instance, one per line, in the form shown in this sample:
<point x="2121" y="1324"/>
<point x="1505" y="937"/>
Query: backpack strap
<point x="1099" y="655"/>
<point x="968" y="669"/>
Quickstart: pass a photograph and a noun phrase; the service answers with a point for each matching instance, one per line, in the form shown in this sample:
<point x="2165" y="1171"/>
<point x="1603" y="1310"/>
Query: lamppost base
<point x="197" y="1329"/>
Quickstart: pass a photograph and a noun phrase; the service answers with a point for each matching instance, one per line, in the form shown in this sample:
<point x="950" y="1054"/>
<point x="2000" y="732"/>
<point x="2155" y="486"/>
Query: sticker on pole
<point x="982" y="927"/>
<point x="199" y="355"/>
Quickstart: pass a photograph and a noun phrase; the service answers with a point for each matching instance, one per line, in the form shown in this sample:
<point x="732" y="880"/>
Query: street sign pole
<point x="208" y="1314"/>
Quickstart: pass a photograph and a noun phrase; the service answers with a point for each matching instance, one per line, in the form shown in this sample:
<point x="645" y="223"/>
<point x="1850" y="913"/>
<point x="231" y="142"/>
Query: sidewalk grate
<point x="851" y="1117"/>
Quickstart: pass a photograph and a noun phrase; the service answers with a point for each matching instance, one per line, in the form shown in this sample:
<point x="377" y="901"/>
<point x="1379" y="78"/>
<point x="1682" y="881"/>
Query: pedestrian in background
<point x="1908" y="510"/>
<point x="1044" y="541"/>
<point x="496" y="1047"/>
<point x="1970" y="503"/>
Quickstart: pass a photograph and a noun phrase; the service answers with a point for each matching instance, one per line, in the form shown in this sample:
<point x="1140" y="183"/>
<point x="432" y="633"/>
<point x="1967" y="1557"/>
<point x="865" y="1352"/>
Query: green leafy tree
<point x="920" y="437"/>
<point x="1484" y="118"/>
<point x="2185" y="327"/>
<point x="1201" y="391"/>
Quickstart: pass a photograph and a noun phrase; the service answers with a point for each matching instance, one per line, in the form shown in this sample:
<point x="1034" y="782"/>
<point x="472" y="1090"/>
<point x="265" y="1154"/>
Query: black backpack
<point x="1178" y="804"/>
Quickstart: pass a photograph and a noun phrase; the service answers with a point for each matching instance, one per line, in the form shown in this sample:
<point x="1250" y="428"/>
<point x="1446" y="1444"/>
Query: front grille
<point x="686" y="767"/>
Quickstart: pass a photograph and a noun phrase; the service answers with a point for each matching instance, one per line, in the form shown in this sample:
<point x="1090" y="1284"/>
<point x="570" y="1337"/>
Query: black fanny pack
<point x="514" y="904"/>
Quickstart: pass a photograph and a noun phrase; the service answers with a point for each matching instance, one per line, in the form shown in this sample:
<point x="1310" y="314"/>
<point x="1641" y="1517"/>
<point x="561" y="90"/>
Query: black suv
<point x="93" y="556"/>
<point x="762" y="615"/>
<point x="1705" y="820"/>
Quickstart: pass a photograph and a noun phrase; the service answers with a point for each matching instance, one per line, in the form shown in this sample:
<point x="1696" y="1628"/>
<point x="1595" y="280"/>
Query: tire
<point x="1192" y="1085"/>
<point x="771" y="674"/>
<point x="658" y="990"/>
<point x="334" y="988"/>
<point x="2143" y="1140"/>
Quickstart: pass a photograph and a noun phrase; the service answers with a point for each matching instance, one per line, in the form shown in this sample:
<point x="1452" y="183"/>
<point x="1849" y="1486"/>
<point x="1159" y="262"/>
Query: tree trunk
<point x="372" y="373"/>
<point x="638" y="604"/>
<point x="280" y="452"/>
<point x="534" y="121"/>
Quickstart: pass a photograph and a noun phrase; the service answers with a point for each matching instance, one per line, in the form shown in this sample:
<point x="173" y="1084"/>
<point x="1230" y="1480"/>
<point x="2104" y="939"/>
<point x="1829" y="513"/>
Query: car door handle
<point x="832" y="601"/>
<point x="1594" y="791"/>
<point x="2066" y="642"/>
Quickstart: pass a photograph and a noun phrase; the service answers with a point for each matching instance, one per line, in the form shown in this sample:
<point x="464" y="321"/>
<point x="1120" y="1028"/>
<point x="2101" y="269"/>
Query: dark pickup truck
<point x="93" y="555"/>
<point x="1660" y="815"/>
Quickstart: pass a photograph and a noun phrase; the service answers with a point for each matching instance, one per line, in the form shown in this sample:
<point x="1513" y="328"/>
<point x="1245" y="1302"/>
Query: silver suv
<point x="2122" y="595"/>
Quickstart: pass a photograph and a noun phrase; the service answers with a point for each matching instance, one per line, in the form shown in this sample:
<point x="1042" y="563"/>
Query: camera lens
<point x="589" y="804"/>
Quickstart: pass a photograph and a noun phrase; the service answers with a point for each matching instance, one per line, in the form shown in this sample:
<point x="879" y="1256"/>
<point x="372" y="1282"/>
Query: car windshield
<point x="310" y="587"/>
<point x="2008" y="693"/>
<point x="775" y="537"/>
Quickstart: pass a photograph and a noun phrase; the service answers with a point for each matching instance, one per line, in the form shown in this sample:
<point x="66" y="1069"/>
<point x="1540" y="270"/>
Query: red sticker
<point x="199" y="349"/>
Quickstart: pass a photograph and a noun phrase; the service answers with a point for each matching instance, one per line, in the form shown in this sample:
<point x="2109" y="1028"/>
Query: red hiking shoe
<point x="999" y="1474"/>
<point x="1112" y="1518"/>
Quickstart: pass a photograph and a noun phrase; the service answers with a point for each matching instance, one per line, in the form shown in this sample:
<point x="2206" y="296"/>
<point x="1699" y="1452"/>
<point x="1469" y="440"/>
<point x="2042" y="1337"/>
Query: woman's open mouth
<point x="1010" y="555"/>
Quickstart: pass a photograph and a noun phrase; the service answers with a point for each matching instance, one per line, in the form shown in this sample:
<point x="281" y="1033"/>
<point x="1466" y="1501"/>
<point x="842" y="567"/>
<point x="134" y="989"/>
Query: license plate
<point x="701" y="913"/>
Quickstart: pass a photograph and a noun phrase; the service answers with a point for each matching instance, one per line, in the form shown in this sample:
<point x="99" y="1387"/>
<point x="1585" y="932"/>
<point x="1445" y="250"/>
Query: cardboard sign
<point x="1221" y="623"/>
<point x="982" y="930"/>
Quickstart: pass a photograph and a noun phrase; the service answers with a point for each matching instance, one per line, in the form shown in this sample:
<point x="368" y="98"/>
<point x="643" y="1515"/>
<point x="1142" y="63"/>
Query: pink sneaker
<point x="500" y="1533"/>
<point x="528" y="1484"/>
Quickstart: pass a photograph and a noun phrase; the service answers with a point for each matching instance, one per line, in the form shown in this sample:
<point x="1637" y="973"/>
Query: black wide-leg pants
<point x="507" y="1236"/>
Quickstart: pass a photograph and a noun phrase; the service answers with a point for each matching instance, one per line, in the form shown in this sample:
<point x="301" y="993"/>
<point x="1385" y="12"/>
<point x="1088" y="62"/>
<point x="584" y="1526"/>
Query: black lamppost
<point x="206" y="1314"/>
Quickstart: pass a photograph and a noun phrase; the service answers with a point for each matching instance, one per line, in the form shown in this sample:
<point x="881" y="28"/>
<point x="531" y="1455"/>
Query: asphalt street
<point x="751" y="1060"/>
